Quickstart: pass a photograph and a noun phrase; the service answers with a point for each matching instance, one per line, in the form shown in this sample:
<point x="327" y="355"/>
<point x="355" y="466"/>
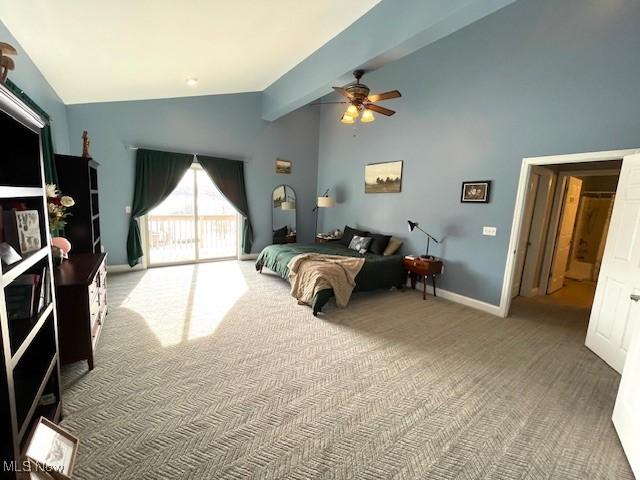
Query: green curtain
<point x="48" y="154"/>
<point x="157" y="175"/>
<point x="228" y="175"/>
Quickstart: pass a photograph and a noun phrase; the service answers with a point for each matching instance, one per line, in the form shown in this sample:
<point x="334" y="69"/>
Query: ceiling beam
<point x="389" y="31"/>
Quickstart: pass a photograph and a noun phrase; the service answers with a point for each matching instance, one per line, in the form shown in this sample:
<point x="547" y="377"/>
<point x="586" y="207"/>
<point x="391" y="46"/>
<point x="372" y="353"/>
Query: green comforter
<point x="378" y="271"/>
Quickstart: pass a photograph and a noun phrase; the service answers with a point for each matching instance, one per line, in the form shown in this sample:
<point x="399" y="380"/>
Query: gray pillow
<point x="360" y="244"/>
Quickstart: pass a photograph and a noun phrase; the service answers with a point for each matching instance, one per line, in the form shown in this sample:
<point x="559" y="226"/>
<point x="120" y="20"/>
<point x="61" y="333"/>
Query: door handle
<point x="635" y="297"/>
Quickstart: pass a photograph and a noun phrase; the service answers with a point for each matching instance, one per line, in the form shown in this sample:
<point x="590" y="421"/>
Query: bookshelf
<point x="78" y="177"/>
<point x="29" y="358"/>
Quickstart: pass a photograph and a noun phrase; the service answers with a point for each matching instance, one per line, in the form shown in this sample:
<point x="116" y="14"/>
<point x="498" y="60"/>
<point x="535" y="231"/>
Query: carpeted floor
<point x="213" y="371"/>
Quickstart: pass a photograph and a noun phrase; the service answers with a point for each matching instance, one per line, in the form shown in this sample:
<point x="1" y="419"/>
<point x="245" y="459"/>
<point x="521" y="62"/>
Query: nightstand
<point x="423" y="268"/>
<point x="320" y="239"/>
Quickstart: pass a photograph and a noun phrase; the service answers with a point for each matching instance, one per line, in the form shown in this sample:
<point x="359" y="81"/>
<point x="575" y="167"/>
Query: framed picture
<point x="21" y="230"/>
<point x="52" y="449"/>
<point x="383" y="177"/>
<point x="476" y="192"/>
<point x="28" y="222"/>
<point x="283" y="166"/>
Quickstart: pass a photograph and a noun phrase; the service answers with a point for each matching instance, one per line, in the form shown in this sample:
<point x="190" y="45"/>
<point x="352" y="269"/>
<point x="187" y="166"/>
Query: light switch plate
<point x="489" y="231"/>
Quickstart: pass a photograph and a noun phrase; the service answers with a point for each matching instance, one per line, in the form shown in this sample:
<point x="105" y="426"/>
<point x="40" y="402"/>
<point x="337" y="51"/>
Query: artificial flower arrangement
<point x="57" y="205"/>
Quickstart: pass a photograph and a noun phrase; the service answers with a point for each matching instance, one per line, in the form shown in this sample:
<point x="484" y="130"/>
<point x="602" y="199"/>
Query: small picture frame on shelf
<point x="476" y="191"/>
<point x="22" y="230"/>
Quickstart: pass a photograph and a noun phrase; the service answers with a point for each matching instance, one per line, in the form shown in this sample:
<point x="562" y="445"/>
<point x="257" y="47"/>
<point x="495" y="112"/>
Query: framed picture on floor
<point x="476" y="192"/>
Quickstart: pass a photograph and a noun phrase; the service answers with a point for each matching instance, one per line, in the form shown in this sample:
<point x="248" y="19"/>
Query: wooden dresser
<point x="81" y="298"/>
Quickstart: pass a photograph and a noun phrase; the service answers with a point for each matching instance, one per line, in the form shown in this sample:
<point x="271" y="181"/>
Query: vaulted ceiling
<point x="96" y="50"/>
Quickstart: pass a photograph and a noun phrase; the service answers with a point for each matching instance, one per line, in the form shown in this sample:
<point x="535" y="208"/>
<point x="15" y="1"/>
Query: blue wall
<point x="536" y="78"/>
<point x="222" y="125"/>
<point x="28" y="78"/>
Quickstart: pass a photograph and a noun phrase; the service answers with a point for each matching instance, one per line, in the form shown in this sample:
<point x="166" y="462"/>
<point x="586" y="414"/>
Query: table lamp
<point x="412" y="226"/>
<point x="325" y="201"/>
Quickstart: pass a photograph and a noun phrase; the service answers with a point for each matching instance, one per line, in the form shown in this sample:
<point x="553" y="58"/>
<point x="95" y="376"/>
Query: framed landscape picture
<point x="383" y="177"/>
<point x="283" y="166"/>
<point x="476" y="192"/>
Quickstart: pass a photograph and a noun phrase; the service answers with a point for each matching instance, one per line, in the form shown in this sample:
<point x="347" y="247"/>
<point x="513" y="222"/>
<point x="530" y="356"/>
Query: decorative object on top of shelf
<point x="6" y="62"/>
<point x="86" y="143"/>
<point x="383" y="177"/>
<point x="57" y="205"/>
<point x="359" y="100"/>
<point x="476" y="192"/>
<point x="412" y="226"/>
<point x="283" y="166"/>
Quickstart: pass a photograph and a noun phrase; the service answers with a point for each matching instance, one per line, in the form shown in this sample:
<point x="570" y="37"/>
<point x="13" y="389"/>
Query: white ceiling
<point x="108" y="50"/>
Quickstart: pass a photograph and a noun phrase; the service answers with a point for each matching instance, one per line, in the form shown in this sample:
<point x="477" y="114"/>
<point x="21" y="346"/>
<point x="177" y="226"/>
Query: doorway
<point x="567" y="217"/>
<point x="195" y="223"/>
<point x="616" y="274"/>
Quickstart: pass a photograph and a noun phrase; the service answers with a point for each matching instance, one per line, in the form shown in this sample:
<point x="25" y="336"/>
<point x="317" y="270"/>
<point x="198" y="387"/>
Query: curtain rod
<point x="138" y="147"/>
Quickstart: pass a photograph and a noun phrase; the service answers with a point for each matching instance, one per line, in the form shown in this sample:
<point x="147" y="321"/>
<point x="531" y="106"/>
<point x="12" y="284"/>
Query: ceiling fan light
<point x="348" y="119"/>
<point x="352" y="111"/>
<point x="367" y="116"/>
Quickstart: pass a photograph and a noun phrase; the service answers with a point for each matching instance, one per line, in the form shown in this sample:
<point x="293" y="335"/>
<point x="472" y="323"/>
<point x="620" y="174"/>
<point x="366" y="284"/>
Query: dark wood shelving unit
<point x="78" y="177"/>
<point x="29" y="358"/>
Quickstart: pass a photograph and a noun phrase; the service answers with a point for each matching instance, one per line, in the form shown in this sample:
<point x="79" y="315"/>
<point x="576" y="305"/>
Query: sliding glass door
<point x="195" y="223"/>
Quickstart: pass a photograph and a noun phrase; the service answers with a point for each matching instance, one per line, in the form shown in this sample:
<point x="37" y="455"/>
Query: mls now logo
<point x="27" y="467"/>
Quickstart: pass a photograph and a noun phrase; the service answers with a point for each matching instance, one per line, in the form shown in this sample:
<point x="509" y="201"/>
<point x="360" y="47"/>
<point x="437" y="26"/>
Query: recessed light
<point x="192" y="82"/>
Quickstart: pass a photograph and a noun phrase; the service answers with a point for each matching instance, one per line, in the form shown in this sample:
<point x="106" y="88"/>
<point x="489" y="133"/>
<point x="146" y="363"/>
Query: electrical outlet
<point x="127" y="209"/>
<point x="489" y="231"/>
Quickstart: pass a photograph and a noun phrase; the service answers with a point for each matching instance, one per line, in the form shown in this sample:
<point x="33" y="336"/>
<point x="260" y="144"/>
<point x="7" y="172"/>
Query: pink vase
<point x="63" y="244"/>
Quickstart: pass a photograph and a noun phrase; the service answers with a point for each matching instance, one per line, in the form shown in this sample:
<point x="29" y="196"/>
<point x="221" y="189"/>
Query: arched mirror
<point x="283" y="214"/>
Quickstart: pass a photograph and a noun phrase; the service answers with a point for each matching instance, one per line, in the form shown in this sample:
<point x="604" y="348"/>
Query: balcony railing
<point x="172" y="238"/>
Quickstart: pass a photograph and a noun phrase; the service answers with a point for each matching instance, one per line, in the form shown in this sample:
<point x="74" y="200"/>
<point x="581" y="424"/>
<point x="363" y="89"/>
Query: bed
<point x="378" y="271"/>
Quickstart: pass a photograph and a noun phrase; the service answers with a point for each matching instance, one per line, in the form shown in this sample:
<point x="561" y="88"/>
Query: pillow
<point x="349" y="233"/>
<point x="360" y="244"/>
<point x="393" y="246"/>
<point x="378" y="243"/>
<point x="280" y="234"/>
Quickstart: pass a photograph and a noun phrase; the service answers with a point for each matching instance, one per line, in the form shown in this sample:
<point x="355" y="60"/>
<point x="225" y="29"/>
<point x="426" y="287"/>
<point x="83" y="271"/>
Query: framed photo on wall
<point x="383" y="177"/>
<point x="283" y="166"/>
<point x="476" y="192"/>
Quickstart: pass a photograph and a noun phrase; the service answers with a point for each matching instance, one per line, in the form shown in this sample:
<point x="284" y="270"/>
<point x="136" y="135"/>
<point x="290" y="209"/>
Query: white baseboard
<point x="124" y="268"/>
<point x="248" y="256"/>
<point x="469" y="302"/>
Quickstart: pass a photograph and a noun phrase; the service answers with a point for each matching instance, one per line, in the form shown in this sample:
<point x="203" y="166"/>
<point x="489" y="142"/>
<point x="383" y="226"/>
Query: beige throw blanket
<point x="311" y="272"/>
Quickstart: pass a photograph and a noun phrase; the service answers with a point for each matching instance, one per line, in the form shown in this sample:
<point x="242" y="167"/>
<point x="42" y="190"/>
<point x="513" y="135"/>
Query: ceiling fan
<point x="361" y="102"/>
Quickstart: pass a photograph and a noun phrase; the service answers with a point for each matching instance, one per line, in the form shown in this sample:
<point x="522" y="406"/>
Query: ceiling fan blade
<point x="342" y="92"/>
<point x="376" y="97"/>
<point x="379" y="109"/>
<point x="328" y="103"/>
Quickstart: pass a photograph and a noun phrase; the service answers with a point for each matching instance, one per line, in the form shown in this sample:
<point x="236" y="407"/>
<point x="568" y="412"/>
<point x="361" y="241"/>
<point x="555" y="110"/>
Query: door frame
<point x="144" y="234"/>
<point x="539" y="225"/>
<point x="556" y="211"/>
<point x="521" y="196"/>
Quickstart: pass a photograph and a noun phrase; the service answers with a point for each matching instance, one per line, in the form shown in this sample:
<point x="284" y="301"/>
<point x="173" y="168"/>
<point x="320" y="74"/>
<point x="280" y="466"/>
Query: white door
<point x="565" y="234"/>
<point x="526" y="229"/>
<point x="542" y="211"/>
<point x="626" y="414"/>
<point x="612" y="316"/>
